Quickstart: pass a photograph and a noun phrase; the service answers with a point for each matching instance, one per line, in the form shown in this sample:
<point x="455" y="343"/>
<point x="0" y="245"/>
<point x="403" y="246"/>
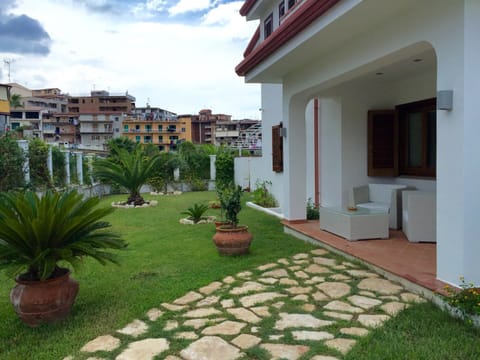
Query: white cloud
<point x="179" y="67"/>
<point x="185" y="6"/>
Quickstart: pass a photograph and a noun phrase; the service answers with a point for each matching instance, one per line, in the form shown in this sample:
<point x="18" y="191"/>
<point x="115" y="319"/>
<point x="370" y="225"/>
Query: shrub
<point x="313" y="212"/>
<point x="224" y="169"/>
<point x="38" y="154"/>
<point x="230" y="200"/>
<point x="467" y="300"/>
<point x="261" y="195"/>
<point x="11" y="161"/>
<point x="196" y="212"/>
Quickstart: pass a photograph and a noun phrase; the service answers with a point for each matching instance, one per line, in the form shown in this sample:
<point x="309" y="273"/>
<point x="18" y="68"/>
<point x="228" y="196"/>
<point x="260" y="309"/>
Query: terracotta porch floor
<point x="415" y="262"/>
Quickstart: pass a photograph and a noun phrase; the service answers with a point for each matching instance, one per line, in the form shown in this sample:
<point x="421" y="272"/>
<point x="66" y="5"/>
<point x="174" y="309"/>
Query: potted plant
<point x="232" y="238"/>
<point x="38" y="234"/>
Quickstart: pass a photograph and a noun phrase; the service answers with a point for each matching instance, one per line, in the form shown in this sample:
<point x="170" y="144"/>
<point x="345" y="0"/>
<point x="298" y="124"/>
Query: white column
<point x="26" y="164"/>
<point x="79" y="156"/>
<point x="213" y="170"/>
<point x="67" y="166"/>
<point x="176" y="174"/>
<point x="50" y="162"/>
<point x="90" y="167"/>
<point x="294" y="162"/>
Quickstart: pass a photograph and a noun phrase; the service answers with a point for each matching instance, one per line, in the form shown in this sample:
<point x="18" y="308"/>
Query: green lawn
<point x="166" y="259"/>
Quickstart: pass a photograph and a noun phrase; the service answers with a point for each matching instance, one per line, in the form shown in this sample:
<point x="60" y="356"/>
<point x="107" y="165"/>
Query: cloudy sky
<point x="179" y="55"/>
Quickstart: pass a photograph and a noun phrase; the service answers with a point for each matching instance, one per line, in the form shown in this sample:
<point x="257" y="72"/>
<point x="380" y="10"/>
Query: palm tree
<point x="16" y="101"/>
<point x="130" y="169"/>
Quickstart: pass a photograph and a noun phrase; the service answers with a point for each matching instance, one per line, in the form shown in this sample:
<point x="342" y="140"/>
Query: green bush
<point x="261" y="195"/>
<point x="38" y="155"/>
<point x="313" y="212"/>
<point x="196" y="212"/>
<point x="224" y="169"/>
<point x="11" y="164"/>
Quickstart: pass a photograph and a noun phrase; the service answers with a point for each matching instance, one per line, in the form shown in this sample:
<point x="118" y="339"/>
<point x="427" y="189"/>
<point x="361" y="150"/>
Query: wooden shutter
<point x="382" y="143"/>
<point x="277" y="148"/>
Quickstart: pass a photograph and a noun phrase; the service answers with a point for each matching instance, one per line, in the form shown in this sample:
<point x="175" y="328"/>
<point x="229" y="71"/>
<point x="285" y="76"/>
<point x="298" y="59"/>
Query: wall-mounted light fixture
<point x="283" y="132"/>
<point x="444" y="99"/>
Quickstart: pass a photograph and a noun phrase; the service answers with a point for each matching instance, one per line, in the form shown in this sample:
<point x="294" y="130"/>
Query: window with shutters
<point x="277" y="148"/>
<point x="403" y="141"/>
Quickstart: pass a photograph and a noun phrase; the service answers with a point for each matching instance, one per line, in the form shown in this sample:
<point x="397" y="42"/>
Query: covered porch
<point x="396" y="256"/>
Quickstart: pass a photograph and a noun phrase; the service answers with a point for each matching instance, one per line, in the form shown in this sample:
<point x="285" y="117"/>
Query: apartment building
<point x="227" y="133"/>
<point x="61" y="128"/>
<point x="152" y="125"/>
<point x="4" y="107"/>
<point x="203" y="125"/>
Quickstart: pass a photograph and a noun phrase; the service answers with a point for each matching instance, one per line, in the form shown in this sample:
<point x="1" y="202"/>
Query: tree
<point x="195" y="162"/>
<point x="128" y="169"/>
<point x="16" y="101"/>
<point x="38" y="154"/>
<point x="11" y="164"/>
<point x="163" y="174"/>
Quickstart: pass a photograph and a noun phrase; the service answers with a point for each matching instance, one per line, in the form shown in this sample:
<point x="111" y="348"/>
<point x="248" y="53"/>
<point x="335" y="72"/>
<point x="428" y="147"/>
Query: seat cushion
<point x="375" y="206"/>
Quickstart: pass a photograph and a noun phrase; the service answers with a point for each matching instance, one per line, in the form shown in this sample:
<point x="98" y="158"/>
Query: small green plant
<point x="196" y="212"/>
<point x="313" y="212"/>
<point x="467" y="300"/>
<point x="261" y="195"/>
<point x="230" y="201"/>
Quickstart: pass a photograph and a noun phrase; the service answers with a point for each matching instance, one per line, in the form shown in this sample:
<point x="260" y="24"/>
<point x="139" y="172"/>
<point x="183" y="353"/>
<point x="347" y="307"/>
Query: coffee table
<point x="354" y="225"/>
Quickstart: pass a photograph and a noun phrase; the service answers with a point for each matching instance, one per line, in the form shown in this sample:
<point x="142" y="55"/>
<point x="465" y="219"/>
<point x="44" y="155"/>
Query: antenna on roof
<point x="8" y="63"/>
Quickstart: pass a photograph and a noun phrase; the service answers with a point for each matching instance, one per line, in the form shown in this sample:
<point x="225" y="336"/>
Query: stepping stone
<point x="299" y="290"/>
<point x="287" y="281"/>
<point x="245" y="315"/>
<point x="171" y="325"/>
<point x="200" y="313"/>
<point x="154" y="314"/>
<point x="363" y="301"/>
<point x="334" y="290"/>
<point x="278" y="305"/>
<point x="311" y="335"/>
<point x="340" y="267"/>
<point x="171" y="357"/>
<point x="342" y="306"/>
<point x="372" y="320"/>
<point x="244" y="274"/>
<point x="135" y="328"/>
<point x="319" y="296"/>
<point x="299" y="320"/>
<point x="349" y="264"/>
<point x="301" y="297"/>
<point x="227" y="303"/>
<point x="278" y="273"/>
<point x="354" y="331"/>
<point x="289" y="352"/>
<point x="188" y="298"/>
<point x="393" y="308"/>
<point x="249" y="286"/>
<point x="341" y="345"/>
<point x="317" y="279"/>
<point x="367" y="293"/>
<point x="389" y="297"/>
<point x="267" y="266"/>
<point x="308" y="307"/>
<point x="251" y="300"/>
<point x="101" y="343"/>
<point x="382" y="286"/>
<point x="324" y="261"/>
<point x="283" y="262"/>
<point x="294" y="267"/>
<point x="412" y="298"/>
<point x="225" y="328"/>
<point x="208" y="301"/>
<point x="70" y="357"/>
<point x="301" y="262"/>
<point x="210" y="288"/>
<point x="199" y="323"/>
<point x="319" y="252"/>
<point x="362" y="273"/>
<point x="275" y="337"/>
<point x="254" y="329"/>
<point x="317" y="269"/>
<point x="229" y="280"/>
<point x="186" y="335"/>
<point x="245" y="341"/>
<point x="144" y="349"/>
<point x="321" y="357"/>
<point x="300" y="256"/>
<point x="337" y="315"/>
<point x="268" y="280"/>
<point x="172" y="307"/>
<point x="302" y="275"/>
<point x="261" y="311"/>
<point x="211" y="348"/>
<point x="340" y="277"/>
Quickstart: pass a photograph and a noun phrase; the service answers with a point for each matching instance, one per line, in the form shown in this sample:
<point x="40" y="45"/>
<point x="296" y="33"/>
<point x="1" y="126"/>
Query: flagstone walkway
<point x="310" y="306"/>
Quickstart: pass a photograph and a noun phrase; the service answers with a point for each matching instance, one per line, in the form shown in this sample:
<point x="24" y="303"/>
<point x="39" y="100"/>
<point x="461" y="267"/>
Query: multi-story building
<point x="4" y="107"/>
<point x="61" y="128"/>
<point x="157" y="126"/>
<point x="100" y="116"/>
<point x="227" y="133"/>
<point x="203" y="125"/>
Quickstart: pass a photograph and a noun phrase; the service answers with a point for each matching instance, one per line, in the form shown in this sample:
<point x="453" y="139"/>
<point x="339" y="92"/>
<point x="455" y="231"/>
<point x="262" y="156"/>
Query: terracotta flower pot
<point x="37" y="302"/>
<point x="232" y="241"/>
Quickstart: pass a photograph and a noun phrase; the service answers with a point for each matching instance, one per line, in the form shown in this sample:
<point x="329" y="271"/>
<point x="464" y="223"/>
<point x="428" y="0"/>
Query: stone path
<point x="310" y="306"/>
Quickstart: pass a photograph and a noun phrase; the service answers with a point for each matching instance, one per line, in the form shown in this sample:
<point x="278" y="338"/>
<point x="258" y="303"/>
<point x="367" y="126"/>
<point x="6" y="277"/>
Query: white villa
<point x="358" y="92"/>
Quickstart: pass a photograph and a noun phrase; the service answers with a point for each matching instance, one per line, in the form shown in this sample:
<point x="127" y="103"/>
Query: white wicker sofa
<point x="386" y="197"/>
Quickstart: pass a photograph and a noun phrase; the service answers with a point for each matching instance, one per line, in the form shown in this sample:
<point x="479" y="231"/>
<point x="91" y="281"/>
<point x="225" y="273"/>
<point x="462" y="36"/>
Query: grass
<point x="166" y="259"/>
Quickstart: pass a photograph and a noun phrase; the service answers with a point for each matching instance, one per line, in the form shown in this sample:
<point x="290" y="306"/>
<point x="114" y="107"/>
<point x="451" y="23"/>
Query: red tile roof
<point x="310" y="11"/>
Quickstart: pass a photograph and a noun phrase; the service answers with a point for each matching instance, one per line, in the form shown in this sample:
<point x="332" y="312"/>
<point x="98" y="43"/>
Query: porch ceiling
<point x="352" y="17"/>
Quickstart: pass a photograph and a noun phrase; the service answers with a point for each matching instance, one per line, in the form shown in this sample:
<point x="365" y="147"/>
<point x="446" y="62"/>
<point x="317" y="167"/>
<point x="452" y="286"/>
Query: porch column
<point x="50" y="162"/>
<point x="294" y="163"/>
<point x="67" y="166"/>
<point x="26" y="164"/>
<point x="79" y="157"/>
<point x="213" y="171"/>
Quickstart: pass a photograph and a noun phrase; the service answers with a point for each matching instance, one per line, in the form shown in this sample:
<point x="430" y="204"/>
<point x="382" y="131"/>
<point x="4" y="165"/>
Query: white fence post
<point x="26" y="164"/>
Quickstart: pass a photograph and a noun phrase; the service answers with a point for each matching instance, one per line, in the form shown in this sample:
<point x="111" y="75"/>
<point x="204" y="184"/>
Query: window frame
<point x="268" y="26"/>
